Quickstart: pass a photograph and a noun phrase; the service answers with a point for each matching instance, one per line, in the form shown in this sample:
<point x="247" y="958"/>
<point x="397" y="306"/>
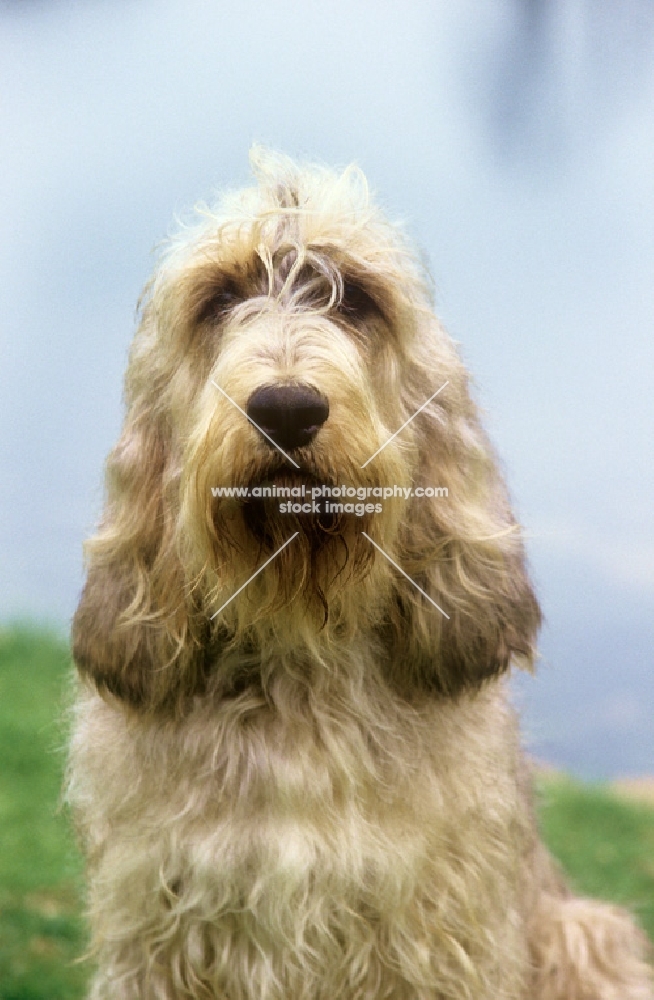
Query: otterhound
<point x="294" y="767"/>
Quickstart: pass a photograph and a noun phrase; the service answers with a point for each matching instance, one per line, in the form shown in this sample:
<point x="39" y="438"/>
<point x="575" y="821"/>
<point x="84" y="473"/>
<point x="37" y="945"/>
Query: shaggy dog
<point x="294" y="767"/>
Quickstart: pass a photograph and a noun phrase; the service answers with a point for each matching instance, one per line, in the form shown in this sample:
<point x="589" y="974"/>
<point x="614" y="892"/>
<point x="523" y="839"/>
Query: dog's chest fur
<point x="284" y="843"/>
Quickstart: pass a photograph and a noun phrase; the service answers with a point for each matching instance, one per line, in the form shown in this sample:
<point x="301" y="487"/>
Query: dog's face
<point x="288" y="353"/>
<point x="308" y="373"/>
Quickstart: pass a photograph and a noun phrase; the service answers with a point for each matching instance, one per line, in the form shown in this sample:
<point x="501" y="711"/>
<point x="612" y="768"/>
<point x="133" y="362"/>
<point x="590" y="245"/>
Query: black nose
<point x="291" y="415"/>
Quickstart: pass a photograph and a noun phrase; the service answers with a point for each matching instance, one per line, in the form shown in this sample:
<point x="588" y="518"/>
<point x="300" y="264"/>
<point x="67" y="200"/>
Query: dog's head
<point x="289" y="472"/>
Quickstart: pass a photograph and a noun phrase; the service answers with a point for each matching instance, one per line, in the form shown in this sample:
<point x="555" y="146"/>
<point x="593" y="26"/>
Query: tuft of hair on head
<point x="306" y="186"/>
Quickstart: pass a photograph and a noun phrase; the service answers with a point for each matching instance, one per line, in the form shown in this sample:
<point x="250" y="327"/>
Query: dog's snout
<point x="291" y="415"/>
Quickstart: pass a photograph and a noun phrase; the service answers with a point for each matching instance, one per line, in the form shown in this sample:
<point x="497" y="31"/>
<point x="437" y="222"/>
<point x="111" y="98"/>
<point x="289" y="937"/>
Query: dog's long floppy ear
<point x="461" y="545"/>
<point x="134" y="633"/>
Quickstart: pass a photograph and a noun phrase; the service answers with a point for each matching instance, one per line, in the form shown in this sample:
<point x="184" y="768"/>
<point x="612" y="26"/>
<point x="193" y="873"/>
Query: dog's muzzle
<point x="291" y="415"/>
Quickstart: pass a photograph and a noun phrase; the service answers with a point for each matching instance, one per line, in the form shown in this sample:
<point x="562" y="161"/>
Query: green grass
<point x="41" y="931"/>
<point x="606" y="845"/>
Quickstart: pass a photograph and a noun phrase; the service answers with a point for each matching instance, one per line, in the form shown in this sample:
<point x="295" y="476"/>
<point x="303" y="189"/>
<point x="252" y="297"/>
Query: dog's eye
<point x="218" y="301"/>
<point x="356" y="302"/>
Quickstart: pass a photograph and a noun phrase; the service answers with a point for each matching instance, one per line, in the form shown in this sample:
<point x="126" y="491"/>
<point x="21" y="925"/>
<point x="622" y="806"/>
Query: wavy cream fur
<point x="319" y="792"/>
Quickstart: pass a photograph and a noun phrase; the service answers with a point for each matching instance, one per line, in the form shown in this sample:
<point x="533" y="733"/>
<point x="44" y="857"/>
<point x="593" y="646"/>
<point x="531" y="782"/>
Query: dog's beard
<point x="274" y="512"/>
<point x="328" y="553"/>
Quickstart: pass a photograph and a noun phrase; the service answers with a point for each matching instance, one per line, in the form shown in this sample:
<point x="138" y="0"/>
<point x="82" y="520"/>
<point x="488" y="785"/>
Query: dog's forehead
<point x="279" y="239"/>
<point x="251" y="253"/>
<point x="310" y="212"/>
<point x="310" y="234"/>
